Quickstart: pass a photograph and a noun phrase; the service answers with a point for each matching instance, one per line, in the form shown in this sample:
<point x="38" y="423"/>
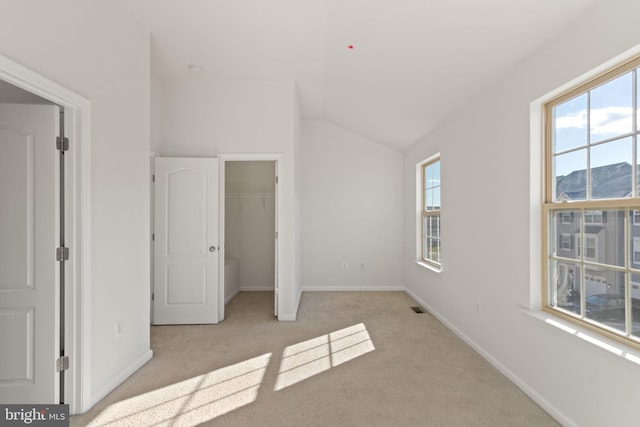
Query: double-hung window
<point x="430" y="217"/>
<point x="592" y="202"/>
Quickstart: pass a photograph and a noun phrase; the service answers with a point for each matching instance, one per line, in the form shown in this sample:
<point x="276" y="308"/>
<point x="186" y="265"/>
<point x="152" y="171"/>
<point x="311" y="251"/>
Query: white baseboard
<point x="353" y="288"/>
<point x="542" y="402"/>
<point x="119" y="379"/>
<point x="230" y="297"/>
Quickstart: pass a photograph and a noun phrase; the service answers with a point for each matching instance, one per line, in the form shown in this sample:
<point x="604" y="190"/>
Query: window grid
<point x="586" y="261"/>
<point x="574" y="277"/>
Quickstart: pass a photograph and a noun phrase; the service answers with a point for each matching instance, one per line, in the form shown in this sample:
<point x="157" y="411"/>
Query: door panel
<point x="16" y="327"/>
<point x="187" y="213"/>
<point x="186" y="241"/>
<point x="29" y="273"/>
<point x="16" y="222"/>
<point x="186" y="284"/>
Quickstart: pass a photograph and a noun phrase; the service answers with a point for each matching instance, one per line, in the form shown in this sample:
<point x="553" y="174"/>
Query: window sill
<point x="429" y="266"/>
<point x="584" y="334"/>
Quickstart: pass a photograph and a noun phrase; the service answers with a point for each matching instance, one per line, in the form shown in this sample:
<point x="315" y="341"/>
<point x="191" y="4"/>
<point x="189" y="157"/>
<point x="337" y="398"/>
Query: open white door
<point x="275" y="252"/>
<point x="186" y="241"/>
<point x="29" y="273"/>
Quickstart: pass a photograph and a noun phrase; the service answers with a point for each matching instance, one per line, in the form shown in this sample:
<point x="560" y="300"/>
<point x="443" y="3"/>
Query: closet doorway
<point x="250" y="228"/>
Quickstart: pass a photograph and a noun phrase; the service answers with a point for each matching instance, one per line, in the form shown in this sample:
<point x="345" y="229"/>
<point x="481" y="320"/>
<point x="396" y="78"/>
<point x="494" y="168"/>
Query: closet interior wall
<point x="249" y="226"/>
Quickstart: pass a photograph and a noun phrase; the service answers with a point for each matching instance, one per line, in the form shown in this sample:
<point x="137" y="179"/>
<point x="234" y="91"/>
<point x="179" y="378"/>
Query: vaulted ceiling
<point x="389" y="70"/>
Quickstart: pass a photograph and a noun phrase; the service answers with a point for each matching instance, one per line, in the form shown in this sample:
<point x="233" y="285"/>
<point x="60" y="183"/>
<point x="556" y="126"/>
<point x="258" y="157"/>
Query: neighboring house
<point x="603" y="235"/>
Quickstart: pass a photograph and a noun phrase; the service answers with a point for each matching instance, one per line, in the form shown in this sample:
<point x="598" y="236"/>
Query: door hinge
<point x="62" y="143"/>
<point x="153" y="178"/>
<point x="153" y="236"/>
<point x="62" y="254"/>
<point x="276" y="234"/>
<point x="153" y="296"/>
<point x="62" y="363"/>
<point x="276" y="179"/>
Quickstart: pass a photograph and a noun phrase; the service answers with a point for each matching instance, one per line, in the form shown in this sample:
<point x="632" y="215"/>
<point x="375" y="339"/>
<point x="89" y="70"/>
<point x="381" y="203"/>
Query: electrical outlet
<point x="478" y="307"/>
<point x="345" y="266"/>
<point x="362" y="267"/>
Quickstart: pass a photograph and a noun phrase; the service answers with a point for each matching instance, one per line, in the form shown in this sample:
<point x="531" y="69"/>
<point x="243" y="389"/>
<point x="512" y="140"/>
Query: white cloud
<point x="576" y="120"/>
<point x="611" y="120"/>
<point x="604" y="121"/>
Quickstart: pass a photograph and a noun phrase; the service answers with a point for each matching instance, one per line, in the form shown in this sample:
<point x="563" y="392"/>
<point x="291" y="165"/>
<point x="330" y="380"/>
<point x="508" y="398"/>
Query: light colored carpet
<point x="352" y="359"/>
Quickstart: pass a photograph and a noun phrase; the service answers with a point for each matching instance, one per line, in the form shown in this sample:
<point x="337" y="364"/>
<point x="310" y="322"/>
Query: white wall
<point x="73" y="43"/>
<point x="155" y="115"/>
<point x="250" y="222"/>
<point x="202" y="117"/>
<point x="489" y="256"/>
<point x="352" y="208"/>
<point x="297" y="193"/>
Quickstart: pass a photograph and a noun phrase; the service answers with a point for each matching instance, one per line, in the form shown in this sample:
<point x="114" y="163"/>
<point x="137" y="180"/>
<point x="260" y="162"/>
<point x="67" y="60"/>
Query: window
<point x="636" y="250"/>
<point x="430" y="212"/>
<point x="590" y="247"/>
<point x="567" y="217"/>
<point x="593" y="217"/>
<point x="592" y="202"/>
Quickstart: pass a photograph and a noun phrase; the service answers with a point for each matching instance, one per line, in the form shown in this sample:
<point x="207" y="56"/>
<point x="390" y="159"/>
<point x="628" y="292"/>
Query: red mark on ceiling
<point x="350" y="46"/>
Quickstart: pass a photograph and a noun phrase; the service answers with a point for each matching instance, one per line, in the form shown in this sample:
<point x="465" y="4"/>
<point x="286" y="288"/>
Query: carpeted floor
<point x="351" y="359"/>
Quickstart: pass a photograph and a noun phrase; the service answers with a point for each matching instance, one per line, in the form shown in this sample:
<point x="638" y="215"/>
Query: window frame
<point x="424" y="213"/>
<point x="629" y="204"/>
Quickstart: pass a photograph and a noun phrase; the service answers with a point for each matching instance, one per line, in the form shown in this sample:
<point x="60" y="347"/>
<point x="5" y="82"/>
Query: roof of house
<point x="610" y="181"/>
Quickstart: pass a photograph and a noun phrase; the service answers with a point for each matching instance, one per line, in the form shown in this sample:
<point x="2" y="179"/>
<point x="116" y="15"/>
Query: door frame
<point x="249" y="157"/>
<point x="77" y="225"/>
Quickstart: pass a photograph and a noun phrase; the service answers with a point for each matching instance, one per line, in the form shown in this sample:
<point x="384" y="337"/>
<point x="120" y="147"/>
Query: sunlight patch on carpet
<point x="192" y="401"/>
<point x="308" y="358"/>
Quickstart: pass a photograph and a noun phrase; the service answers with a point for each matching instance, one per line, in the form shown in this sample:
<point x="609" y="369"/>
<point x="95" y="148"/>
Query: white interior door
<point x="186" y="241"/>
<point x="29" y="273"/>
<point x="275" y="252"/>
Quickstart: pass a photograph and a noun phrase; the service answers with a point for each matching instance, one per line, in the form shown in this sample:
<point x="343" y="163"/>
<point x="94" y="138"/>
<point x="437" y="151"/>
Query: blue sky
<point x="432" y="185"/>
<point x="610" y="114"/>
